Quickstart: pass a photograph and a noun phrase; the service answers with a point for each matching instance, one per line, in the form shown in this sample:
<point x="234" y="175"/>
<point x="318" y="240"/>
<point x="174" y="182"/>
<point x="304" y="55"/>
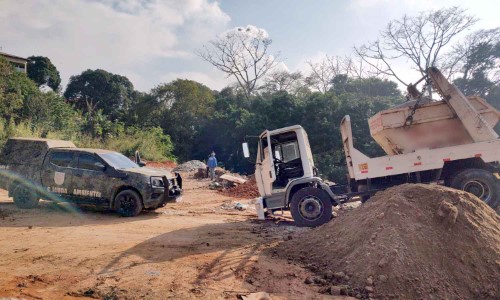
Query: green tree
<point x="95" y="90"/>
<point x="17" y="93"/>
<point x="184" y="106"/>
<point x="43" y="72"/>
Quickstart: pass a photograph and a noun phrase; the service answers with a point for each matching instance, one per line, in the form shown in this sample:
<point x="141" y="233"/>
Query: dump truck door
<point x="264" y="170"/>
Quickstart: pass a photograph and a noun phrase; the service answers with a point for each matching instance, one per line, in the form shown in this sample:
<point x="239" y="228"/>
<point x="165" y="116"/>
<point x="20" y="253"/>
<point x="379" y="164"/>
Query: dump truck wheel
<point x="311" y="207"/>
<point x="25" y="197"/>
<point x="480" y="183"/>
<point x="128" y="203"/>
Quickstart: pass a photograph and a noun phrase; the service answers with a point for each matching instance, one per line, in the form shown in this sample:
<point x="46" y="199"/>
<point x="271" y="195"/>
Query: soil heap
<point x="408" y="242"/>
<point x="245" y="190"/>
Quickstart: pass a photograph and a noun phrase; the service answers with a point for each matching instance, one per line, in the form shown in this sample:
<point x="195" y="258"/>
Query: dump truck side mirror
<point x="246" y="152"/>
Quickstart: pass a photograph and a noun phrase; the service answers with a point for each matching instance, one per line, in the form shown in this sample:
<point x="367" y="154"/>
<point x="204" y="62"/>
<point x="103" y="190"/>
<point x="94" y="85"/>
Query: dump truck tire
<point x="128" y="203"/>
<point x="24" y="197"/>
<point x="480" y="183"/>
<point x="311" y="207"/>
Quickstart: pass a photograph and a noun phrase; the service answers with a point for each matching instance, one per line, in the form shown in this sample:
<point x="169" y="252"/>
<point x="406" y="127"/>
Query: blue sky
<point x="152" y="41"/>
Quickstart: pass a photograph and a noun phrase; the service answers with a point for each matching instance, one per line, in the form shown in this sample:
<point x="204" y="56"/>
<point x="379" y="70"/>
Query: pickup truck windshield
<point x="118" y="161"/>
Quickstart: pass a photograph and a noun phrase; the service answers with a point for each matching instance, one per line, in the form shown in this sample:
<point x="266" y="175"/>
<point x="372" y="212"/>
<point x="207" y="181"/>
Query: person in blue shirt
<point x="212" y="163"/>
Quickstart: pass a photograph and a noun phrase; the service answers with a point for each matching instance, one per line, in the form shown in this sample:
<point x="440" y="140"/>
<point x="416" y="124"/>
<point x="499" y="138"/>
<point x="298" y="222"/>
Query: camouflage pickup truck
<point x="33" y="169"/>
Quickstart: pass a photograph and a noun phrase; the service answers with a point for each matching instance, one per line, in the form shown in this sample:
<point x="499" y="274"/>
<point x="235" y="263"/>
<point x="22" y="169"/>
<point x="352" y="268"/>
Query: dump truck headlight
<point x="157" y="182"/>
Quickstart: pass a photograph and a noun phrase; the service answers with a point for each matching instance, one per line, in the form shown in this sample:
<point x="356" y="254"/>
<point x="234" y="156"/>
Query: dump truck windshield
<point x="118" y="161"/>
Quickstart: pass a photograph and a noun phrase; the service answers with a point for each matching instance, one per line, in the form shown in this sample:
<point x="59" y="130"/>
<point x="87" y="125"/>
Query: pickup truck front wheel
<point x="311" y="207"/>
<point x="25" y="197"/>
<point x="128" y="203"/>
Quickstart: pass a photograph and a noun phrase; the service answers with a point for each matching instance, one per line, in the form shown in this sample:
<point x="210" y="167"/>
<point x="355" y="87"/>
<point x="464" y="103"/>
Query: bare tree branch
<point x="420" y="39"/>
<point x="243" y="54"/>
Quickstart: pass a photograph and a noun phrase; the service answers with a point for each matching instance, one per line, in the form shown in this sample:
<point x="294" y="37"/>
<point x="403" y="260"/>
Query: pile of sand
<point x="245" y="190"/>
<point x="408" y="242"/>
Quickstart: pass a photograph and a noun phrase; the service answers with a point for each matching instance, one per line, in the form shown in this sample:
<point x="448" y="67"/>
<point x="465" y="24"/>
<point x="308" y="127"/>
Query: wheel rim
<point x="127" y="203"/>
<point x="479" y="189"/>
<point x="23" y="195"/>
<point x="310" y="208"/>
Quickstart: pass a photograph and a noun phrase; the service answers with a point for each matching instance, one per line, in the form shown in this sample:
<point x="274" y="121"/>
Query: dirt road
<point x="194" y="249"/>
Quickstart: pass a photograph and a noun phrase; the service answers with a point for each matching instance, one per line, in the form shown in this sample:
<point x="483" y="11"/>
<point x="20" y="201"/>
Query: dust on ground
<point x="193" y="249"/>
<point x="408" y="242"/>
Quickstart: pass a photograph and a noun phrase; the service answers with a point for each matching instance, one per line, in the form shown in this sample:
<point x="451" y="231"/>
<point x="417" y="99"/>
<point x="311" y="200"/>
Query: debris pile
<point x="203" y="172"/>
<point x="244" y="190"/>
<point x="190" y="166"/>
<point x="408" y="242"/>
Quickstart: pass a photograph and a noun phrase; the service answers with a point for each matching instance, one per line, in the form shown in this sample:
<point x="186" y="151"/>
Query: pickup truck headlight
<point x="157" y="182"/>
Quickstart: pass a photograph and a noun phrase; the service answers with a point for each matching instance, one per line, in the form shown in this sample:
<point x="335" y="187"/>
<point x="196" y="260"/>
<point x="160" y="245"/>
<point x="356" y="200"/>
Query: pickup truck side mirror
<point x="246" y="152"/>
<point x="138" y="160"/>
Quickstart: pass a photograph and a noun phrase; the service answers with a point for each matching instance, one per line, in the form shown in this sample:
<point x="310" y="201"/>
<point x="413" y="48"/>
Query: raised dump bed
<point x="434" y="125"/>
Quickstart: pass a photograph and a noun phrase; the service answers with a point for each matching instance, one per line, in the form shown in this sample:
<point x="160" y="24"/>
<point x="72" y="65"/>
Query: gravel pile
<point x="190" y="166"/>
<point x="408" y="242"/>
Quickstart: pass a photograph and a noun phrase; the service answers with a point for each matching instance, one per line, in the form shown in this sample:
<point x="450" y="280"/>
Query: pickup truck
<point x="32" y="169"/>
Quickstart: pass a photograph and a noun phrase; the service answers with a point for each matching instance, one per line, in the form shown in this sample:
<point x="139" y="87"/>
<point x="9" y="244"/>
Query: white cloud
<point x="119" y="36"/>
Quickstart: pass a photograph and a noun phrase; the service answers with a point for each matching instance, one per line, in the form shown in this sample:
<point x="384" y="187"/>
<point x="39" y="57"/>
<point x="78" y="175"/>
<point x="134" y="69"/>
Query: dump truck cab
<point x="284" y="166"/>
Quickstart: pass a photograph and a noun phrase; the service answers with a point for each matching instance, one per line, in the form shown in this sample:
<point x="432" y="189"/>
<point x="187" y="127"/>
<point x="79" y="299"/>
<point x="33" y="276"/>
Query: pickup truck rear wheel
<point x="481" y="183"/>
<point x="128" y="203"/>
<point x="311" y="207"/>
<point x="24" y="197"/>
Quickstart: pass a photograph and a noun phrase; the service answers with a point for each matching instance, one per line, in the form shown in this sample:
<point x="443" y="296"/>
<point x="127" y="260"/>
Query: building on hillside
<point x="19" y="63"/>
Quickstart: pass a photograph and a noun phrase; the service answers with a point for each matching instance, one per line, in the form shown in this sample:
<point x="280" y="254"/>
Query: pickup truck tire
<point x="128" y="203"/>
<point x="480" y="183"/>
<point x="311" y="207"/>
<point x="24" y="197"/>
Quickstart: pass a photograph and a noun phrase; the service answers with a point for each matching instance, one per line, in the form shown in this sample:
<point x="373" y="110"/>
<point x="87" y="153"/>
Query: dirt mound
<point x="408" y="242"/>
<point x="245" y="190"/>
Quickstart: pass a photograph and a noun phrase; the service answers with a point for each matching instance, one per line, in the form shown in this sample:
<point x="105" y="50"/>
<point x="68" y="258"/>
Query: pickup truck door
<point x="57" y="172"/>
<point x="90" y="184"/>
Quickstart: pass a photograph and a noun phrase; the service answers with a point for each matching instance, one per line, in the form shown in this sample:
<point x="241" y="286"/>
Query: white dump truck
<point x="449" y="142"/>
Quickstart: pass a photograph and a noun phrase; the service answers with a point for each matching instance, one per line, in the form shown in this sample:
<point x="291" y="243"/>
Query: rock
<point x="369" y="289"/>
<point x="382" y="278"/>
<point x="369" y="281"/>
<point x="344" y="290"/>
<point x="339" y="275"/>
<point x="448" y="212"/>
<point x="382" y="263"/>
<point x="214" y="186"/>
<point x="308" y="280"/>
<point x="335" y="290"/>
<point x="380" y="215"/>
<point x="240" y="206"/>
<point x="257" y="296"/>
<point x="328" y="274"/>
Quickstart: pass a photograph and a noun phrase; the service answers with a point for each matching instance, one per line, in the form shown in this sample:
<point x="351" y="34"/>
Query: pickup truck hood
<point x="148" y="172"/>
